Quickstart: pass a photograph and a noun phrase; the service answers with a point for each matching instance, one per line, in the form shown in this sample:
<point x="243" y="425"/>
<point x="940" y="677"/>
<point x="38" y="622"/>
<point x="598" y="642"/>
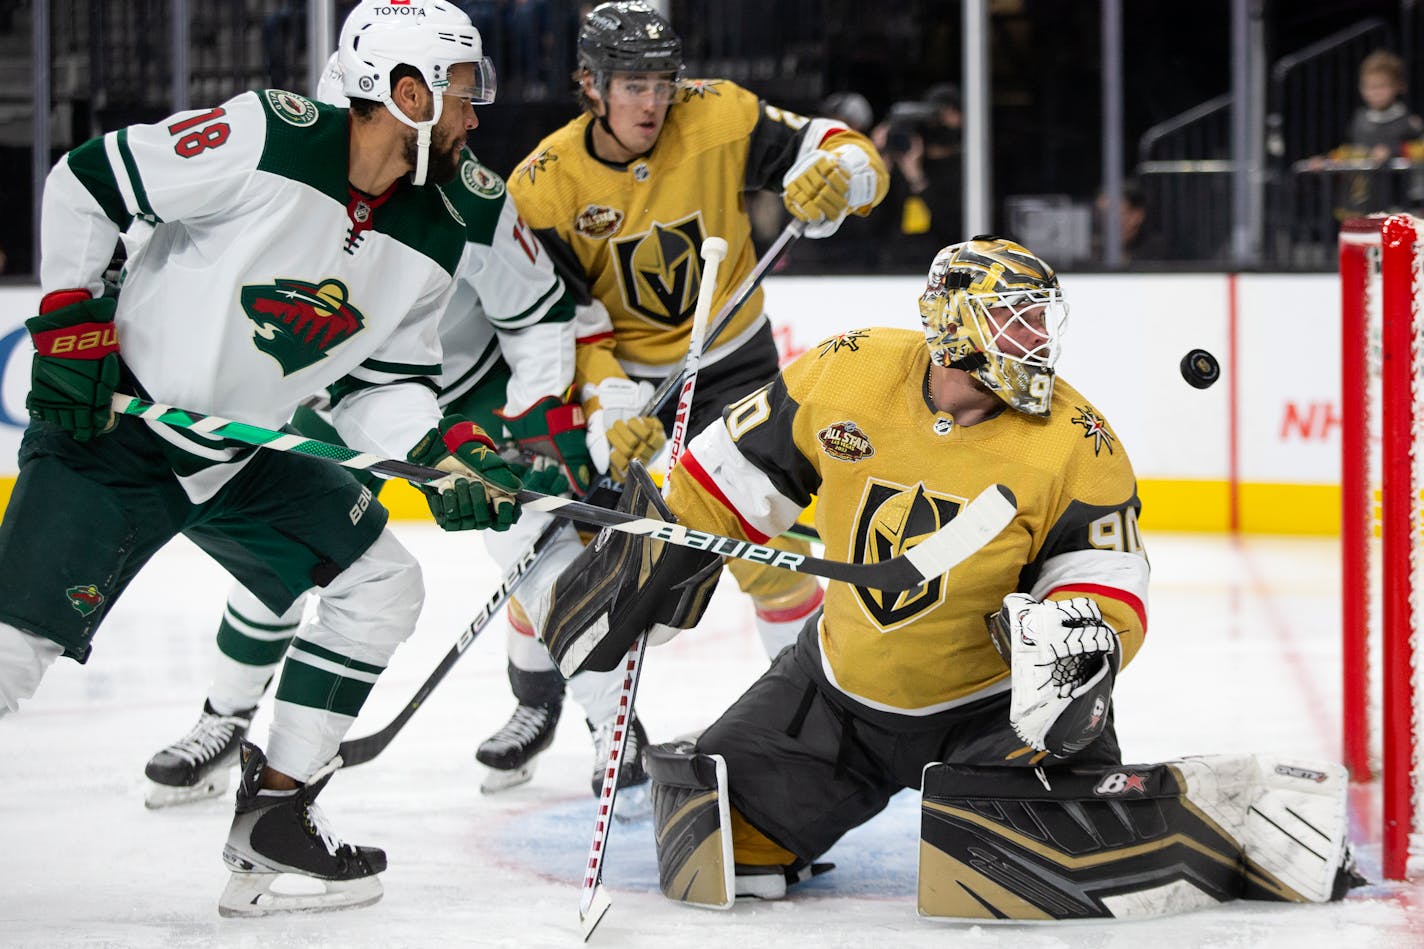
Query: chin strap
<point x="422" y="135"/>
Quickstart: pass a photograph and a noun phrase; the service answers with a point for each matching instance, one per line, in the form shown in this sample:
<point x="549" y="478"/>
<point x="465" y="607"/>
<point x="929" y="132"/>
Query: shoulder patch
<point x="700" y="88"/>
<point x="1094" y="427"/>
<point x="291" y="108"/>
<point x="836" y="343"/>
<point x="535" y="163"/>
<point x="479" y="180"/>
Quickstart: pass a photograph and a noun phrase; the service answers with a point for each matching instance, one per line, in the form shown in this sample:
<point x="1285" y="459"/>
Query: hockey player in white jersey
<point x="293" y="251"/>
<point x="508" y="343"/>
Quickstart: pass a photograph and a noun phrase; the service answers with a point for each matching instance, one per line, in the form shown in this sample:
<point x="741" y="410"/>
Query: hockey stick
<point x="594" y="901"/>
<point x="356" y="751"/>
<point x="977" y="522"/>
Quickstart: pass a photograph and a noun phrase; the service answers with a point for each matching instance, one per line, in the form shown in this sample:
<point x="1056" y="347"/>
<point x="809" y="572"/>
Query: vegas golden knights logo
<point x="893" y="519"/>
<point x="660" y="271"/>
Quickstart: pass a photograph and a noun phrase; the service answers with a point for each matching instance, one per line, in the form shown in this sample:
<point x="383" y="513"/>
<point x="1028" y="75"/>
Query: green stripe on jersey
<point x="90" y="164"/>
<point x="131" y="167"/>
<point x="401" y="368"/>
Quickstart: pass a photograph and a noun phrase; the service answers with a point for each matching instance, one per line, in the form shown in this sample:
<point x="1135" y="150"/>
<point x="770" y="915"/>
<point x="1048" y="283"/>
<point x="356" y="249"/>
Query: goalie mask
<point x="430" y="36"/>
<point x="628" y="36"/>
<point x="994" y="310"/>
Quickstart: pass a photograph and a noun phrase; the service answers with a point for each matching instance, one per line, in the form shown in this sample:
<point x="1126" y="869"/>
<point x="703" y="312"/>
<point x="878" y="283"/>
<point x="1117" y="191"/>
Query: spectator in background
<point x="925" y="206"/>
<point x="1141" y="238"/>
<point x="1382" y="128"/>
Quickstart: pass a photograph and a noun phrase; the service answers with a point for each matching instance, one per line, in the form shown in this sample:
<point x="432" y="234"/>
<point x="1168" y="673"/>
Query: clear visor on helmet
<point x="479" y="91"/>
<point x="640" y="87"/>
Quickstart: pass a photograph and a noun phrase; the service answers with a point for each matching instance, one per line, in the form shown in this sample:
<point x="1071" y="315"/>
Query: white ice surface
<point x="1241" y="655"/>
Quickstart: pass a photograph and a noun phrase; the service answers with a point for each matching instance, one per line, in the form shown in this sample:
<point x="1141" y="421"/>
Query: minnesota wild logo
<point x="298" y="323"/>
<point x="85" y="599"/>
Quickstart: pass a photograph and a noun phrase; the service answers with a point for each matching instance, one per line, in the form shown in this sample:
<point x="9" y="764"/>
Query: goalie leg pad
<point x="692" y="825"/>
<point x="1290" y="818"/>
<point x="1116" y="841"/>
<point x="622" y="584"/>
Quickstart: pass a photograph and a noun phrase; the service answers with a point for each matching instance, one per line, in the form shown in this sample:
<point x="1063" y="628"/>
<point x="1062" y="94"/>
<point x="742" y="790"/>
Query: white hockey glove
<point x="1063" y="659"/>
<point x="824" y="186"/>
<point x="618" y="432"/>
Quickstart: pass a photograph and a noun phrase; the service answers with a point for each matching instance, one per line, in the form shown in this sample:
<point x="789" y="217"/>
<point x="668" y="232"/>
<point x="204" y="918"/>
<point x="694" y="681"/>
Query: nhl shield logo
<point x="298" y="323"/>
<point x="85" y="598"/>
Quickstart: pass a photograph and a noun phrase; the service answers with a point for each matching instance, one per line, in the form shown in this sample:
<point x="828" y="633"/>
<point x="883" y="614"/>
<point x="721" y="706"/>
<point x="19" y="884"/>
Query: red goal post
<point x="1383" y="427"/>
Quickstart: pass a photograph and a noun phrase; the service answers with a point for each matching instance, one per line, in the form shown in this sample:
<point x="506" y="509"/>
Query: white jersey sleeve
<point x="188" y="165"/>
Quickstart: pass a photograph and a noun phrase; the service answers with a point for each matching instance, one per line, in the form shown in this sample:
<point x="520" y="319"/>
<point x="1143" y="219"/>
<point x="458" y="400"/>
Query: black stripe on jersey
<point x="566" y="263"/>
<point x="1074" y="531"/>
<point x="771" y="150"/>
<point x="770" y="445"/>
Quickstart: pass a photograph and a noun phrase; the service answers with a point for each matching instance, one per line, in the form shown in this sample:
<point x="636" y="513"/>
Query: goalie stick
<point x="356" y="751"/>
<point x="594" y="901"/>
<point x="977" y="523"/>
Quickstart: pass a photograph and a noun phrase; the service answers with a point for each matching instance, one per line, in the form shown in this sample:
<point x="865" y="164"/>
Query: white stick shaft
<point x="714" y="250"/>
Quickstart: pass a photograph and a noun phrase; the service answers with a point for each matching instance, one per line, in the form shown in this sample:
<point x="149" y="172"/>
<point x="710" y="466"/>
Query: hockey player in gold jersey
<point x="989" y="687"/>
<point x="623" y="196"/>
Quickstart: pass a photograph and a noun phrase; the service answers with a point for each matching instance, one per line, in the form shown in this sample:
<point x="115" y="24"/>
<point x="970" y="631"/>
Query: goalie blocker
<point x="622" y="585"/>
<point x="1131" y="840"/>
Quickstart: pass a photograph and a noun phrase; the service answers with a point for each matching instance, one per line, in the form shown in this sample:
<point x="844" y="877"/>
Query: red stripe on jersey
<point x="595" y="338"/>
<point x="829" y="132"/>
<point x="797" y="611"/>
<point x="523" y="629"/>
<point x="1112" y="593"/>
<point x="700" y="475"/>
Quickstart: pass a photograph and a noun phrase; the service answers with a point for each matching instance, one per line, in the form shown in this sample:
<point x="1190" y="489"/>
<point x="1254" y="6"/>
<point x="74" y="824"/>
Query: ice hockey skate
<point x="283" y="855"/>
<point x="633" y="801"/>
<point x="509" y="753"/>
<point x="196" y="766"/>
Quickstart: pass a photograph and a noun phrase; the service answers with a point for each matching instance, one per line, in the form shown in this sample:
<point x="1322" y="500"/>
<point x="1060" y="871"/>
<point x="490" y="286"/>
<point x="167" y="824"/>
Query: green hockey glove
<point x="555" y="428"/>
<point x="76" y="365"/>
<point x="480" y="492"/>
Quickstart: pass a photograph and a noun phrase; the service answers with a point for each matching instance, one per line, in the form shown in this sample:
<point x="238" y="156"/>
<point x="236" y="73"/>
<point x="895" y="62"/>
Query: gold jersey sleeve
<point x="630" y="235"/>
<point x="850" y="421"/>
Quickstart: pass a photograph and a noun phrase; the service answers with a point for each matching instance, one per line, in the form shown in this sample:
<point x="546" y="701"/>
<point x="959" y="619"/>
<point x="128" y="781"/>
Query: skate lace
<point x="523" y="726"/>
<point x="603" y="742"/>
<point x="207" y="738"/>
<point x="318" y="825"/>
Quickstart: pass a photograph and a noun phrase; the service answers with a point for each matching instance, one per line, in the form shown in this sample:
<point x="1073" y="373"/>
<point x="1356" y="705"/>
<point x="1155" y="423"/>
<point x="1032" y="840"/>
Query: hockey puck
<point x="1200" y="369"/>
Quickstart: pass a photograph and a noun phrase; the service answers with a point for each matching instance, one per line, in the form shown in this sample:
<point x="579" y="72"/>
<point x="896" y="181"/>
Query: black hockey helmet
<point x="627" y="36"/>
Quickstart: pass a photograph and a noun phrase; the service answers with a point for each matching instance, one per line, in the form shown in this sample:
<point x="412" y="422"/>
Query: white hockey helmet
<point x="329" y="87"/>
<point x="430" y="36"/>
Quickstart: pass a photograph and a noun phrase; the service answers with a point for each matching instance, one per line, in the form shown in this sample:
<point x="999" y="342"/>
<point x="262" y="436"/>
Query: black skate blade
<point x="593" y="914"/>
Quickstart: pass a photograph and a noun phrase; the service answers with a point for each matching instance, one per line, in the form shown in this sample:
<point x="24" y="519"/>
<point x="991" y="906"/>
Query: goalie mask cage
<point x="1382" y="431"/>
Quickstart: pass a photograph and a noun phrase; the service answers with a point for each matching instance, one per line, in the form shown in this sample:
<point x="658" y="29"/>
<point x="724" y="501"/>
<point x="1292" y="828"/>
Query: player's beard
<point x="444" y="159"/>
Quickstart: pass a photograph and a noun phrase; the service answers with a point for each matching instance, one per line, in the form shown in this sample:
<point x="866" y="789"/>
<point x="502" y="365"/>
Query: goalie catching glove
<point x="618" y="432"/>
<point x="622" y="585"/>
<point x="480" y="490"/>
<point x="824" y="186"/>
<point x="76" y="364"/>
<point x="1063" y="660"/>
